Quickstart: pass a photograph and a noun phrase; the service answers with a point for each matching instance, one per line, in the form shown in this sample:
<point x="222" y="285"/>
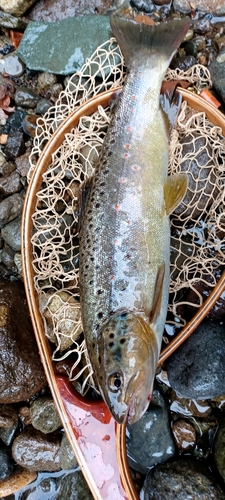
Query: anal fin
<point x="157" y="301"/>
<point x="175" y="188"/>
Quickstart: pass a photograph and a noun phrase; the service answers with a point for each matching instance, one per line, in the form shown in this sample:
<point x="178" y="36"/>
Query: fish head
<point x="128" y="355"/>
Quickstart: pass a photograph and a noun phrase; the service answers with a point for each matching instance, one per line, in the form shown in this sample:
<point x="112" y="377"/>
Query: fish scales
<point x="124" y="239"/>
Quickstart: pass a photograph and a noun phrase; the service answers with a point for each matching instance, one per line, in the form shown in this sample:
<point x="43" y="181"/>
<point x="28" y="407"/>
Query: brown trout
<point x="124" y="228"/>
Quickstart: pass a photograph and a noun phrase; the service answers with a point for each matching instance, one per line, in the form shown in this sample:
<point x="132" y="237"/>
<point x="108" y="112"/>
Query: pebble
<point x="217" y="72"/>
<point x="183" y="62"/>
<point x="26" y="98"/>
<point x="21" y="371"/>
<point x="55" y="10"/>
<point x="11" y="22"/>
<point x="18" y="264"/>
<point x="30" y="124"/>
<point x="10" y="184"/>
<point x="42" y="106"/>
<point x="74" y="487"/>
<point x="67" y="457"/>
<point x="8" y="256"/>
<point x="11" y="233"/>
<point x="217" y="7"/>
<point x="16" y="119"/>
<point x="46" y="80"/>
<point x="10" y="208"/>
<point x="7" y="434"/>
<point x="6" y="168"/>
<point x="219" y="449"/>
<point x="184" y="435"/>
<point x="44" y="416"/>
<point x="149" y="440"/>
<point x="15" y="145"/>
<point x="183" y="479"/>
<point x="6" y="462"/>
<point x="5" y="46"/>
<point x="16" y="7"/>
<point x="18" y="479"/>
<point x="23" y="164"/>
<point x="8" y="416"/>
<point x="188" y="407"/>
<point x="37" y="452"/>
<point x="144" y="5"/>
<point x="196" y="370"/>
<point x="11" y="65"/>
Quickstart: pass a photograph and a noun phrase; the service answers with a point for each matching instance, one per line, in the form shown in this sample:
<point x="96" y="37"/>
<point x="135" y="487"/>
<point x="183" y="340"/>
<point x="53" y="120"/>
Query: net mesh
<point x="197" y="226"/>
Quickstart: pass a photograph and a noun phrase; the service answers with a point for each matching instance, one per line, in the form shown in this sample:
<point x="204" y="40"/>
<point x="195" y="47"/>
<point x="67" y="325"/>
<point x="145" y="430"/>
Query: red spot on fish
<point x="127" y="146"/>
<point x="140" y="73"/>
<point x="149" y="397"/>
<point x="106" y="438"/>
<point x="129" y="129"/>
<point x="117" y="207"/>
<point x="123" y="180"/>
<point x="136" y="167"/>
<point x="112" y="277"/>
<point x="116" y="242"/>
<point x="126" y="155"/>
<point x="128" y="222"/>
<point x="134" y="97"/>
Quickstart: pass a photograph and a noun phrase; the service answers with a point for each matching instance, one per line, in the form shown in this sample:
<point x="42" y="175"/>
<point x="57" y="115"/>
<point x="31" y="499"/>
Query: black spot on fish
<point x="100" y="314"/>
<point x="111" y="336"/>
<point x="122" y="341"/>
<point x="111" y="344"/>
<point x="109" y="153"/>
<point x="99" y="292"/>
<point x="93" y="345"/>
<point x="91" y="282"/>
<point x="99" y="359"/>
<point x="97" y="205"/>
<point x="102" y="184"/>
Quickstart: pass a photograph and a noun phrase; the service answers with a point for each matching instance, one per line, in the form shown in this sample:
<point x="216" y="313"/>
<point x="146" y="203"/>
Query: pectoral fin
<point x="157" y="301"/>
<point x="83" y="195"/>
<point x="175" y="188"/>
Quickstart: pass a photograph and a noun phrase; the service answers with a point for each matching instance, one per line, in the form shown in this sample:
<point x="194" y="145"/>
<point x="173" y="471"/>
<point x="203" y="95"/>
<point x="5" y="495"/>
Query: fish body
<point x="125" y="233"/>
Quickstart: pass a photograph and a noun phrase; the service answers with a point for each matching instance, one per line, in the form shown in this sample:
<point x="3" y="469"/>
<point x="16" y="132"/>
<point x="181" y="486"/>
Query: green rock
<point x="62" y="47"/>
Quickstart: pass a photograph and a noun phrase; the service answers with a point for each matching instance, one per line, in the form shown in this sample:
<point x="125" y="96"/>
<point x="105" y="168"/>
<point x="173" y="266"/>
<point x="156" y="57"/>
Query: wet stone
<point x="8" y="416"/>
<point x="183" y="62"/>
<point x="26" y="97"/>
<point x="149" y="440"/>
<point x="8" y="256"/>
<point x="184" y="435"/>
<point x="18" y="479"/>
<point x="11" y="184"/>
<point x="188" y="407"/>
<point x="74" y="487"/>
<point x="196" y="370"/>
<point x="85" y="34"/>
<point x="6" y="462"/>
<point x="144" y="5"/>
<point x="219" y="449"/>
<point x="15" y="145"/>
<point x="5" y="45"/>
<point x="181" y="480"/>
<point x="10" y="208"/>
<point x="37" y="452"/>
<point x="44" y="416"/>
<point x="46" y="80"/>
<point x="7" y="434"/>
<point x="67" y="458"/>
<point x="11" y="234"/>
<point x="217" y="72"/>
<point x="194" y="46"/>
<point x="11" y="65"/>
<point x="16" y="119"/>
<point x="202" y="26"/>
<point x="11" y="22"/>
<point x="30" y="124"/>
<point x="42" y="106"/>
<point x="21" y="372"/>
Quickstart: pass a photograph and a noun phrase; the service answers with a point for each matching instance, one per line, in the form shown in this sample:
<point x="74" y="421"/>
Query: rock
<point x="219" y="449"/>
<point x="16" y="7"/>
<point x="23" y="164"/>
<point x="6" y="462"/>
<point x="44" y="416"/>
<point x="36" y="452"/>
<point x="10" y="208"/>
<point x="26" y="98"/>
<point x="11" y="233"/>
<point x="18" y="264"/>
<point x="144" y="5"/>
<point x="149" y="440"/>
<point x="189" y="407"/>
<point x="15" y="121"/>
<point x="7" y="434"/>
<point x="215" y="7"/>
<point x="21" y="372"/>
<point x="18" y="479"/>
<point x="30" y="124"/>
<point x="196" y="370"/>
<point x="46" y="81"/>
<point x="11" y="184"/>
<point x="184" y="435"/>
<point x="8" y="256"/>
<point x="74" y="487"/>
<point x="15" y="145"/>
<point x="10" y="22"/>
<point x="8" y="423"/>
<point x="217" y="72"/>
<point x="194" y="46"/>
<point x="202" y="26"/>
<point x="67" y="457"/>
<point x="6" y="169"/>
<point x="85" y="34"/>
<point x="54" y="10"/>
<point x="5" y="46"/>
<point x="42" y="106"/>
<point x="181" y="480"/>
<point x="183" y="62"/>
<point x="11" y="65"/>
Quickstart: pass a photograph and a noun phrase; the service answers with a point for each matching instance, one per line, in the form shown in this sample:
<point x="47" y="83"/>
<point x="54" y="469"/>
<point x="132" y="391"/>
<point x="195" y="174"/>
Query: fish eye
<point x="115" y="381"/>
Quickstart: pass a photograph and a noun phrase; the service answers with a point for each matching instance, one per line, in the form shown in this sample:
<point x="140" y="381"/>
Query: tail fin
<point x="162" y="39"/>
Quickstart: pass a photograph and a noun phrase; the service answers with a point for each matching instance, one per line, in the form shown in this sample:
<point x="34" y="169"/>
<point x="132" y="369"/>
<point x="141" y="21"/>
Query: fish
<point x="124" y="229"/>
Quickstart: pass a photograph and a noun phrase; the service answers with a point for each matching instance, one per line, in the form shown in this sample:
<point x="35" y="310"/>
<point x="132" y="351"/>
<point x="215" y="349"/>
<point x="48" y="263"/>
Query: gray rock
<point x="36" y="452"/>
<point x="15" y="144"/>
<point x="10" y="208"/>
<point x="16" y="119"/>
<point x="219" y="449"/>
<point x="74" y="487"/>
<point x="23" y="164"/>
<point x="11" y="65"/>
<point x="197" y="370"/>
<point x="54" y="10"/>
<point x="11" y="184"/>
<point x="11" y="22"/>
<point x="8" y="423"/>
<point x="8" y="256"/>
<point x="217" y="7"/>
<point x="181" y="480"/>
<point x="144" y="5"/>
<point x="42" y="106"/>
<point x="6" y="462"/>
<point x="21" y="372"/>
<point x="46" y="80"/>
<point x="84" y="34"/>
<point x="149" y="440"/>
<point x="5" y="46"/>
<point x="6" y="168"/>
<point x="16" y="7"/>
<point x="44" y="416"/>
<point x="25" y="97"/>
<point x="11" y="233"/>
<point x="217" y="72"/>
<point x="67" y="457"/>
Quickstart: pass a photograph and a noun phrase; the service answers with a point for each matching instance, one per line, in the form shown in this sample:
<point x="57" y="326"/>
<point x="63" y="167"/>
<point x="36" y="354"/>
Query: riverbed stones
<point x="18" y="479"/>
<point x="10" y="208"/>
<point x="6" y="462"/>
<point x="184" y="435"/>
<point x="11" y="233"/>
<point x="25" y="97"/>
<point x="196" y="370"/>
<point x="21" y="372"/>
<point x="16" y="7"/>
<point x="67" y="458"/>
<point x="36" y="452"/>
<point x="181" y="480"/>
<point x="215" y="7"/>
<point x="44" y="416"/>
<point x="15" y="144"/>
<point x="11" y="65"/>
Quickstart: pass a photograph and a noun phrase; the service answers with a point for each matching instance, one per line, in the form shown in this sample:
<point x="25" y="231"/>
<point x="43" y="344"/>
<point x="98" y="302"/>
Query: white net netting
<point x="197" y="226"/>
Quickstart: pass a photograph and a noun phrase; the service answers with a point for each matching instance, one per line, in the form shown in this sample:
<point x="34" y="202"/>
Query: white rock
<point x="16" y="7"/>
